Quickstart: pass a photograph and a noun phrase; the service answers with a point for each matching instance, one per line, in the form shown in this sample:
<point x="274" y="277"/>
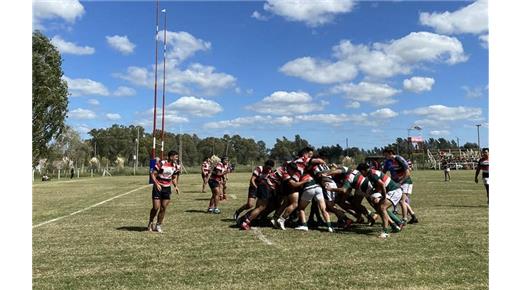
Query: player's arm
<point x="153" y="175"/>
<point x="407" y="174"/>
<point x="175" y="182"/>
<point x="297" y="184"/>
<point x="476" y="173"/>
<point x="252" y="181"/>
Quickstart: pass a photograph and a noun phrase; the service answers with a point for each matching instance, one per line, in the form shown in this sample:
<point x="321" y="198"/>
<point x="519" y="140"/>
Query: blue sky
<point x="326" y="70"/>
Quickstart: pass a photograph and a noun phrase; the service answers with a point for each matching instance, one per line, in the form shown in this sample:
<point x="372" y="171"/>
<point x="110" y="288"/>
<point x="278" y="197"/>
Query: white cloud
<point x="353" y="105"/>
<point x="319" y="71"/>
<point x="439" y="132"/>
<point x="484" y="40"/>
<point x="475" y="92"/>
<point x="121" y="44"/>
<point x="312" y="13"/>
<point x="426" y="47"/>
<point x="373" y="93"/>
<point x="113" y="116"/>
<point x="373" y="119"/>
<point x="379" y="60"/>
<point x="384" y="113"/>
<point x="124" y="92"/>
<point x="259" y="16"/>
<point x="287" y="103"/>
<point x="80" y="113"/>
<point x="81" y="87"/>
<point x="93" y="102"/>
<point x="195" y="106"/>
<point x="183" y="45"/>
<point x="70" y="47"/>
<point x="239" y="122"/>
<point x="196" y="79"/>
<point x="82" y="129"/>
<point x="444" y="113"/>
<point x="68" y="10"/>
<point x="469" y="19"/>
<point x="418" y="84"/>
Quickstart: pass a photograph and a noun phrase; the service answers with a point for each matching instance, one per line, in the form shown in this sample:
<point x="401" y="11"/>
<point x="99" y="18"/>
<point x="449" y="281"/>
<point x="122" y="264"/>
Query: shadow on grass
<point x="196" y="211"/>
<point x="132" y="229"/>
<point x="228" y="220"/>
<point x="202" y="198"/>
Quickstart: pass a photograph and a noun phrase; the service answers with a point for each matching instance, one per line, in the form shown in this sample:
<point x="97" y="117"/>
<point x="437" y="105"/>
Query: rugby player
<point x="259" y="175"/>
<point x="205" y="170"/>
<point x="164" y="175"/>
<point x="311" y="190"/>
<point x="483" y="165"/>
<point x="215" y="182"/>
<point x="400" y="173"/>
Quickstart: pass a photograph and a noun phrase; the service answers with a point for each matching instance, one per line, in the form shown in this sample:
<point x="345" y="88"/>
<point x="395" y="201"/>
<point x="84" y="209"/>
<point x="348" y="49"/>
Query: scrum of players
<point x="286" y="191"/>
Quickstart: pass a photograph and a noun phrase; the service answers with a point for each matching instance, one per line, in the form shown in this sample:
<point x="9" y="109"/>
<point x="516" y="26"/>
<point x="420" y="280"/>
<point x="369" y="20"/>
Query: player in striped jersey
<point x="401" y="174"/>
<point x="258" y="176"/>
<point x="311" y="190"/>
<point x="288" y="191"/>
<point x="386" y="193"/>
<point x="164" y="176"/>
<point x="205" y="170"/>
<point x="215" y="183"/>
<point x="483" y="165"/>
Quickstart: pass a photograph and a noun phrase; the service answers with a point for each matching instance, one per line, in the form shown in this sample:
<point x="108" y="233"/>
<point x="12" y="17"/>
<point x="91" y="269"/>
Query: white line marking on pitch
<point x="261" y="236"/>
<point x="82" y="210"/>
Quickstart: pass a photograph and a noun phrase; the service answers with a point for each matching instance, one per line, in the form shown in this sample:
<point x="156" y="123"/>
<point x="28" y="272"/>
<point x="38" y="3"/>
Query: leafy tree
<point x="50" y="95"/>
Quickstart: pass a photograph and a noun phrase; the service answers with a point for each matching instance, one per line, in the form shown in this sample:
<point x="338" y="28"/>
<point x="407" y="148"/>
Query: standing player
<point x="259" y="175"/>
<point x="215" y="182"/>
<point x="205" y="170"/>
<point x="483" y="165"/>
<point x="164" y="176"/>
<point x="400" y="173"/>
<point x="446" y="169"/>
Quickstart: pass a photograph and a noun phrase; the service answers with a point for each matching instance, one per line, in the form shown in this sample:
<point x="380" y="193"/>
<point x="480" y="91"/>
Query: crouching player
<point x="386" y="193"/>
<point x="259" y="175"/>
<point x="311" y="190"/>
<point x="263" y="193"/>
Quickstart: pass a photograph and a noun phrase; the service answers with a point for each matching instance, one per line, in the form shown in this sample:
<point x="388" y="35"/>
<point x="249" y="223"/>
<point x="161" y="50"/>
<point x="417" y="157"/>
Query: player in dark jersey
<point x="164" y="176"/>
<point x="483" y="165"/>
<point x="400" y="172"/>
<point x="259" y="175"/>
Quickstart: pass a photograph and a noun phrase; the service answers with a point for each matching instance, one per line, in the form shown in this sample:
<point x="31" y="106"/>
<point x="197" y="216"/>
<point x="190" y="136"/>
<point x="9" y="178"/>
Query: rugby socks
<point x="394" y="217"/>
<point x="329" y="225"/>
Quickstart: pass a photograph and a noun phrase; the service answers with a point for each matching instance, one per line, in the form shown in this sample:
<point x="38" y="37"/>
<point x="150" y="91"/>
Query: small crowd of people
<point x="330" y="189"/>
<point x="287" y="190"/>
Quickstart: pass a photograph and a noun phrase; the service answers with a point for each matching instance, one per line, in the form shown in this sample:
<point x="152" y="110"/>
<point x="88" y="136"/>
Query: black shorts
<point x="251" y="192"/>
<point x="263" y="192"/>
<point x="213" y="183"/>
<point x="286" y="188"/>
<point x="163" y="194"/>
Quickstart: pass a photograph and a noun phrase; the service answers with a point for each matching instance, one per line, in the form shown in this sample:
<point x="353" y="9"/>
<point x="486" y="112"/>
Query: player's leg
<point x="156" y="204"/>
<point x="323" y="207"/>
<point x="165" y="201"/>
<point x="251" y="197"/>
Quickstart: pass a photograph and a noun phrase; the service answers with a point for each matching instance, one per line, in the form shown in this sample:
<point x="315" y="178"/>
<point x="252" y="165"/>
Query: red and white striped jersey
<point x="483" y="165"/>
<point x="165" y="172"/>
<point x="205" y="167"/>
<point x="219" y="171"/>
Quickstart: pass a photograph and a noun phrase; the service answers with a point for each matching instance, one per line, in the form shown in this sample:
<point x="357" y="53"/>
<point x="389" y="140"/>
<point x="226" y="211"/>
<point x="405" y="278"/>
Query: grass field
<point x="106" y="246"/>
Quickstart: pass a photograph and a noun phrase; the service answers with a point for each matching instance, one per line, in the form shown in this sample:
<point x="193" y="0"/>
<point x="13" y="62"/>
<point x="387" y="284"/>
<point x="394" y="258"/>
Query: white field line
<point x="87" y="208"/>
<point x="261" y="236"/>
<point x="59" y="182"/>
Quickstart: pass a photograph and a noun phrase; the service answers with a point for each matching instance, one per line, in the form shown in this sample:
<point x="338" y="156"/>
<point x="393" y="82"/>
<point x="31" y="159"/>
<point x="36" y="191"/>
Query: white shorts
<point x="447" y="170"/>
<point x="330" y="195"/>
<point x="375" y="195"/>
<point x="314" y="191"/>
<point x="394" y="196"/>
<point x="486" y="180"/>
<point x="407" y="188"/>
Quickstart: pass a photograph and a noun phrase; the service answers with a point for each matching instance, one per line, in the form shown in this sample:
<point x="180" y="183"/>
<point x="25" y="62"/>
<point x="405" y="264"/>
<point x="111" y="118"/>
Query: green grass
<point x="106" y="246"/>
